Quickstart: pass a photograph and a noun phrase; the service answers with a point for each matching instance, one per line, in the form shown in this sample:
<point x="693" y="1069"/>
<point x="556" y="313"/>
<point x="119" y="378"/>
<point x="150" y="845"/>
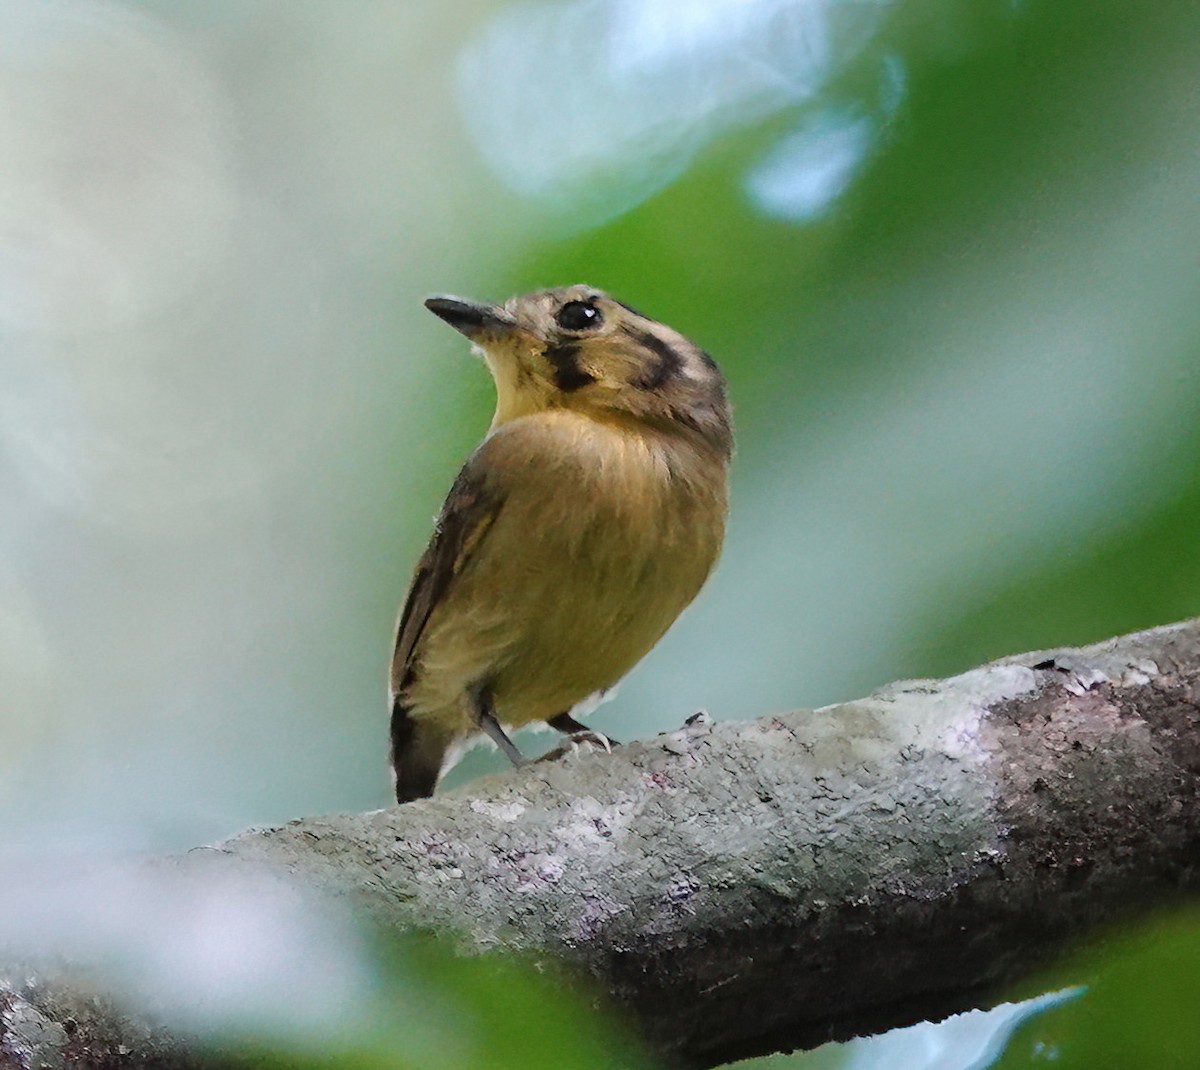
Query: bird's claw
<point x="576" y="742"/>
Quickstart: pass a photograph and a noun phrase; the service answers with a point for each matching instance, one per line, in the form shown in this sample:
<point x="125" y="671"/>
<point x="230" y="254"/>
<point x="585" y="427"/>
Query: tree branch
<point x="748" y="887"/>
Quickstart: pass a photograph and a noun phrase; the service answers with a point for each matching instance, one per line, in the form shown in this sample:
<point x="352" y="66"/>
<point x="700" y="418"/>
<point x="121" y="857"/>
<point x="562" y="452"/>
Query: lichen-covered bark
<point x="747" y="887"/>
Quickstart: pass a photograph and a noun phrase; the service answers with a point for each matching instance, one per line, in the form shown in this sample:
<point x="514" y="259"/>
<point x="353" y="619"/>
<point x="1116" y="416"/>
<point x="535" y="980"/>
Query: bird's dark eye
<point x="578" y="316"/>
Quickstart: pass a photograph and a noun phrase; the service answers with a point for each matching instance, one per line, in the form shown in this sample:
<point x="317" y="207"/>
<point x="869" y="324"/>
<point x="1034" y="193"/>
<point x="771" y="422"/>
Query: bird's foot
<point x="577" y="741"/>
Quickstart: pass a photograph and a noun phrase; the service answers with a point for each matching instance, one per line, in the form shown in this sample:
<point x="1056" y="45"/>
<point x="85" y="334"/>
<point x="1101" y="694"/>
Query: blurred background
<point x="947" y="254"/>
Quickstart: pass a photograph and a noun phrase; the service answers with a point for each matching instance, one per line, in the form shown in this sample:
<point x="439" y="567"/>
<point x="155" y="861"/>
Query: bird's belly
<point x="573" y="643"/>
<point x="579" y="606"/>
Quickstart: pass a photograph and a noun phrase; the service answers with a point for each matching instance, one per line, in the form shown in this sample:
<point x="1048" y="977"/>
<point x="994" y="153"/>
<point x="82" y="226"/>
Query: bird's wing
<point x="468" y="513"/>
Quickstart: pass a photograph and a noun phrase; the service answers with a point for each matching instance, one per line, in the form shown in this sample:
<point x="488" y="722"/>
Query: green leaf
<point x="436" y="1009"/>
<point x="1141" y="1008"/>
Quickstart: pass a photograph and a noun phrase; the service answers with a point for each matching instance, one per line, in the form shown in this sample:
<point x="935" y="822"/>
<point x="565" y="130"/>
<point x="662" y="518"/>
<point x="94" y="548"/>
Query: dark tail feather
<point x="418" y="751"/>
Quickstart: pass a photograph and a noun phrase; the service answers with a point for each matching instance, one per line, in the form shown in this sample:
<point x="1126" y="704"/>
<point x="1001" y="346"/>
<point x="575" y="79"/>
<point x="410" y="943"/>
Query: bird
<point x="583" y="524"/>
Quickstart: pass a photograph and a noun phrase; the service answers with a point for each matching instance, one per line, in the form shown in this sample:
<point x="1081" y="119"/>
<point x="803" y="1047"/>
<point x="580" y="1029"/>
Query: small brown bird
<point x="575" y="534"/>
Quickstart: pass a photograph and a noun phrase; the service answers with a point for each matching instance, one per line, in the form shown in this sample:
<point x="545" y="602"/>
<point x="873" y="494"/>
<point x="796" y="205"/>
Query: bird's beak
<point x="476" y="321"/>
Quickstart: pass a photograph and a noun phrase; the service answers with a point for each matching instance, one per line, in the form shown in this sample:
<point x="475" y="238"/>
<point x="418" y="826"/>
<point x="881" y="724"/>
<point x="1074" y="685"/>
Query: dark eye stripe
<point x="568" y="375"/>
<point x="667" y="360"/>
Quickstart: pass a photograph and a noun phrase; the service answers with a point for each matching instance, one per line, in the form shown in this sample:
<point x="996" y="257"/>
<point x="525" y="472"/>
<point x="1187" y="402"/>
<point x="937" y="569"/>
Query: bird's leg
<point x="482" y="703"/>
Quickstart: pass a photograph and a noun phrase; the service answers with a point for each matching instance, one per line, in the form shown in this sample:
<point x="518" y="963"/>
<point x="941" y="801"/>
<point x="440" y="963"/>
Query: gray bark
<point x="748" y="887"/>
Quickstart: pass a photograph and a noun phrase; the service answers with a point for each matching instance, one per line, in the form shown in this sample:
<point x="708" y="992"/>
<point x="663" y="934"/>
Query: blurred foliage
<point x="433" y="1009"/>
<point x="1138" y="1010"/>
<point x="1073" y="108"/>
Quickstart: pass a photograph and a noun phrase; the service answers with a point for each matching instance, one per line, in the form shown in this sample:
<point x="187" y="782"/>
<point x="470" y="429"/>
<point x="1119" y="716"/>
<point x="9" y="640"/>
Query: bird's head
<point x="576" y="348"/>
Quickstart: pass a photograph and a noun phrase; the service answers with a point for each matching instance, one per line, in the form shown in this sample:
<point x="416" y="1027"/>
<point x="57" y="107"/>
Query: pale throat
<point x="517" y="393"/>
